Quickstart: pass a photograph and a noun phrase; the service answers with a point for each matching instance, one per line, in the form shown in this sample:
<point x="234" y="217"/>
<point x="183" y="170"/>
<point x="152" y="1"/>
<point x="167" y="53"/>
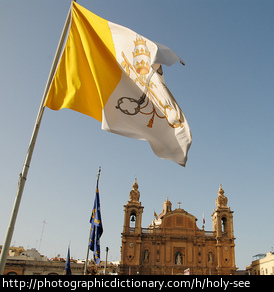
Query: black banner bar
<point x="158" y="283"/>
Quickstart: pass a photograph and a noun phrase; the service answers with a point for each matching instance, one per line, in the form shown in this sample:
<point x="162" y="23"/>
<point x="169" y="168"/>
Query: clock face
<point x="131" y="244"/>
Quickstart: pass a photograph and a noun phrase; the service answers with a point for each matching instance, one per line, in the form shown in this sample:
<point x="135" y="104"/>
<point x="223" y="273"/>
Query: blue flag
<point x="96" y="227"/>
<point x="67" y="266"/>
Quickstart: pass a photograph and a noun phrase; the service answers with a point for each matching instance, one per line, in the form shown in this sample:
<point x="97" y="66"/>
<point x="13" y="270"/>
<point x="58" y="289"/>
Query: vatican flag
<point x="114" y="75"/>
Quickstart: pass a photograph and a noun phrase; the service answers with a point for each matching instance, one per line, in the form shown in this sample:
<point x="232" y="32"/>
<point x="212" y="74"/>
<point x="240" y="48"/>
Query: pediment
<point x="179" y="219"/>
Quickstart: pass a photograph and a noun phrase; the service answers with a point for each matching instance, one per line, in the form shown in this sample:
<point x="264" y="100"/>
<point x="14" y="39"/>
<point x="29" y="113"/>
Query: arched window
<point x="132" y="220"/>
<point x="11" y="273"/>
<point x="224" y="225"/>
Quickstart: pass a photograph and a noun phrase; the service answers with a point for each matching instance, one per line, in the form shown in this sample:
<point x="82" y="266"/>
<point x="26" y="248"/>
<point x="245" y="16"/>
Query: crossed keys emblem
<point x="132" y="106"/>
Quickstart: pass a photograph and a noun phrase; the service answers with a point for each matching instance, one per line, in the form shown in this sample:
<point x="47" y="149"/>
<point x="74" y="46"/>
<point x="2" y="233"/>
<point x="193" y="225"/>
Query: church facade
<point x="173" y="244"/>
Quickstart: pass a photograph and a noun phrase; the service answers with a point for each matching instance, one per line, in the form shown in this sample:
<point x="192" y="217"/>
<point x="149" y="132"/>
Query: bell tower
<point x="133" y="212"/>
<point x="222" y="221"/>
<point x="131" y="236"/>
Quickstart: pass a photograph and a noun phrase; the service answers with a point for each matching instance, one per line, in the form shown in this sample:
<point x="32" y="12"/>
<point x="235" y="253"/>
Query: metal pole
<point x="86" y="263"/>
<point x="26" y="165"/>
<point x="106" y="263"/>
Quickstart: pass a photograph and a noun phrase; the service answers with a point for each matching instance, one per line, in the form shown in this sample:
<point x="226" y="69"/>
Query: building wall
<point x="30" y="267"/>
<point x="264" y="266"/>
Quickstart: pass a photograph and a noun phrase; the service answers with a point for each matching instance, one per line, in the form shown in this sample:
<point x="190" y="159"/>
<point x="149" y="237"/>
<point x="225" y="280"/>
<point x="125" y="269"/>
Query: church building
<point x="173" y="244"/>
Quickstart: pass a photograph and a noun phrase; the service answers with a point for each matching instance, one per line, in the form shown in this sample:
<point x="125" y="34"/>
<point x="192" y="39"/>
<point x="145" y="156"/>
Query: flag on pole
<point x="67" y="266"/>
<point x="203" y="218"/>
<point x="96" y="226"/>
<point x="114" y="75"/>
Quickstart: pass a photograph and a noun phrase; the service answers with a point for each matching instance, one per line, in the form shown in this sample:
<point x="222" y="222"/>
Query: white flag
<point x="113" y="74"/>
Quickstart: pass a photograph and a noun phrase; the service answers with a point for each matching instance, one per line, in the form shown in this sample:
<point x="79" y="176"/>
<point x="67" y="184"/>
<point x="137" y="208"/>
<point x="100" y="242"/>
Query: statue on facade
<point x="134" y="194"/>
<point x="221" y="200"/>
<point x="178" y="260"/>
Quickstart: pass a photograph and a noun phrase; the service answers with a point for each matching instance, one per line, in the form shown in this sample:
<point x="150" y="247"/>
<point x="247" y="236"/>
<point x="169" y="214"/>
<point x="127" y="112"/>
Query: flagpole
<point x="67" y="270"/>
<point x="106" y="263"/>
<point x="86" y="262"/>
<point x="26" y="165"/>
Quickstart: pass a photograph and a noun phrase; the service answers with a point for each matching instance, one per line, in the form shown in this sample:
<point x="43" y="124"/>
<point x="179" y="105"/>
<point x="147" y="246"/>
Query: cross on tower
<point x="179" y="203"/>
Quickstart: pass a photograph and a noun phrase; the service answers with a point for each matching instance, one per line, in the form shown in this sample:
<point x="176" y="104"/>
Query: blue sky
<point x="225" y="90"/>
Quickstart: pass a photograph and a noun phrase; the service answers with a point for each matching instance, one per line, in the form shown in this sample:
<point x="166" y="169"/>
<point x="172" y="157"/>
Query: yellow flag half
<point x="88" y="71"/>
<point x="114" y="75"/>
